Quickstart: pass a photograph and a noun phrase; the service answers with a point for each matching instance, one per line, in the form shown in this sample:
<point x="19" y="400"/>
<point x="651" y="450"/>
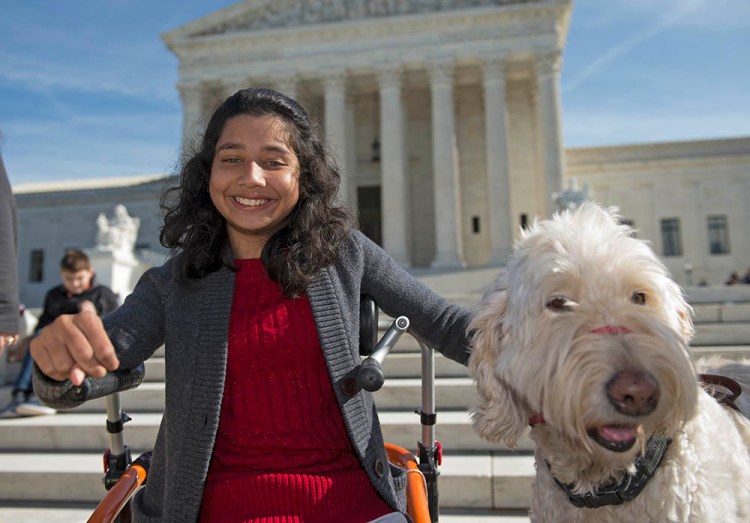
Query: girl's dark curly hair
<point x="315" y="229"/>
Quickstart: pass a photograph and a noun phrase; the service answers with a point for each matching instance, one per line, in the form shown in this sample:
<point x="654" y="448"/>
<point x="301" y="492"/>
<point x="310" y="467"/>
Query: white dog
<point x="585" y="337"/>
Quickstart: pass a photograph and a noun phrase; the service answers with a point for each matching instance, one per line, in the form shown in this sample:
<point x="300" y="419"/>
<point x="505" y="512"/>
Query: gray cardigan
<point x="192" y="321"/>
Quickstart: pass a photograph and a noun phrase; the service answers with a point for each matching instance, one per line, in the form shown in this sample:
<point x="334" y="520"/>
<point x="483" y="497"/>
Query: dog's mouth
<point x="617" y="438"/>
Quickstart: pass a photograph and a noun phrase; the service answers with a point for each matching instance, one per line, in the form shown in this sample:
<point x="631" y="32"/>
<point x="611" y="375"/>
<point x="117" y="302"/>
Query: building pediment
<point x="259" y="15"/>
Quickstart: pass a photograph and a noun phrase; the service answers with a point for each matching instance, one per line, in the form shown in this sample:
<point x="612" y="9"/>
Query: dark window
<point x="475" y="224"/>
<point x="36" y="267"/>
<point x="370" y="213"/>
<point x="718" y="235"/>
<point x="670" y="237"/>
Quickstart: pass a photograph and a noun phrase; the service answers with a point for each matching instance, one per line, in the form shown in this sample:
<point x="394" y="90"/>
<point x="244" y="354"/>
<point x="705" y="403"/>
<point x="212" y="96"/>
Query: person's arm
<point x="78" y="345"/>
<point x="436" y="321"/>
<point x="9" y="265"/>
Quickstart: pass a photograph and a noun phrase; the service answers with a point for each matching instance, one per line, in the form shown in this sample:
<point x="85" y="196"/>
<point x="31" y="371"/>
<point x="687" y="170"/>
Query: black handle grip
<point x="117" y="381"/>
<point x="370" y="376"/>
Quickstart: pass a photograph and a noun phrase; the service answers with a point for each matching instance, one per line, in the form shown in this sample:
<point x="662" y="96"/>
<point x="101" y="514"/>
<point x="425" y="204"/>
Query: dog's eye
<point x="558" y="304"/>
<point x="639" y="298"/>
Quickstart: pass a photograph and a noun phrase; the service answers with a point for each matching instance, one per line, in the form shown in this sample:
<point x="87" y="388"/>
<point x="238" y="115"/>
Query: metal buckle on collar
<point x="709" y="383"/>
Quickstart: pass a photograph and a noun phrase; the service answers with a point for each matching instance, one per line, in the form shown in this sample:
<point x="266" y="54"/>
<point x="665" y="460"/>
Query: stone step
<point x="721" y="312"/>
<point x="450" y="393"/>
<point x="51" y="512"/>
<point x="85" y="432"/>
<point x="402" y="390"/>
<point x="476" y="475"/>
<point x="467" y="286"/>
<point x="479" y="481"/>
<point x="718" y="294"/>
<point x="404" y="361"/>
<point x="398" y="364"/>
<point x="721" y="334"/>
<point x="735" y="352"/>
<point x="706" y="334"/>
<point x="408" y="364"/>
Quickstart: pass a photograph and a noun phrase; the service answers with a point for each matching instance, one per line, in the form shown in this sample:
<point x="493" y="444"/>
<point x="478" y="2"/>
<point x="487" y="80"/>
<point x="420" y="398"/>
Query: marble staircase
<point x="54" y="463"/>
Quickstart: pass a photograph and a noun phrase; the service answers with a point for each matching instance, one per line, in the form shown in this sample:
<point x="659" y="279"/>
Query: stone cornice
<point x="696" y="150"/>
<point x="88" y="184"/>
<point x="86" y="191"/>
<point x="684" y="168"/>
<point x="514" y="23"/>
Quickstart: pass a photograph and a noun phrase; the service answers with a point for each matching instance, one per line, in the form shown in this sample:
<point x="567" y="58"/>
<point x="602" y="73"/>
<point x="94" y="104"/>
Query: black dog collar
<point x="631" y="484"/>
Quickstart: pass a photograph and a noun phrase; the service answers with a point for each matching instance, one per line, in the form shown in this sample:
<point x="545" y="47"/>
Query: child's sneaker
<point x="33" y="407"/>
<point x="11" y="410"/>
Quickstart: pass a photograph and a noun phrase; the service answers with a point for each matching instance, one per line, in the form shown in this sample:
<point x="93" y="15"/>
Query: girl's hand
<point x="74" y="346"/>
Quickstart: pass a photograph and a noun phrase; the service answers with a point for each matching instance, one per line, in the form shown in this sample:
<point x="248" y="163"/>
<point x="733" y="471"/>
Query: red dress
<point x="282" y="453"/>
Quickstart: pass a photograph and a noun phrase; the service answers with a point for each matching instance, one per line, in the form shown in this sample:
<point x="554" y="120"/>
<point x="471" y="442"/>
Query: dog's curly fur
<point x="580" y="300"/>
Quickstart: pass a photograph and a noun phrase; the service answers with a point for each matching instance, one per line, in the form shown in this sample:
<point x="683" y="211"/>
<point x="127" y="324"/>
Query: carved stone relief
<point x="312" y="12"/>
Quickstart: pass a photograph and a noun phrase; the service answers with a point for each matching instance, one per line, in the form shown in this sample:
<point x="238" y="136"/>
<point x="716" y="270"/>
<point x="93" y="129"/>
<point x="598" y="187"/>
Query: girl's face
<point x="254" y="180"/>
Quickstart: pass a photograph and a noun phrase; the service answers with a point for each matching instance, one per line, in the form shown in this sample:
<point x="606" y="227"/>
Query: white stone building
<point x="691" y="200"/>
<point x="445" y="119"/>
<point x="444" y="115"/>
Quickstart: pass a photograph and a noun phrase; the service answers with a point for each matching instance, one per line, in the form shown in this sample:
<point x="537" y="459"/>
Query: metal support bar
<point x="114" y="416"/>
<point x="428" y="450"/>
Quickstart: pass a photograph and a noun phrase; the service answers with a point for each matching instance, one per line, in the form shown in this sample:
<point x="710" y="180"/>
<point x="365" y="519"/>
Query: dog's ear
<point x="499" y="414"/>
<point x="686" y="323"/>
<point x="685" y="312"/>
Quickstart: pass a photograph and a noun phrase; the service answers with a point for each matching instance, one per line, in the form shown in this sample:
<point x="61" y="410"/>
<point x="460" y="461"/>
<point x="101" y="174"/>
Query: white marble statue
<point x="118" y="234"/>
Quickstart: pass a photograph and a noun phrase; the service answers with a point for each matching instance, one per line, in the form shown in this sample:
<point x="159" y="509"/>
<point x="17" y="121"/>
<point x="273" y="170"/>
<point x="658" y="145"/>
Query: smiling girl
<point x="258" y="311"/>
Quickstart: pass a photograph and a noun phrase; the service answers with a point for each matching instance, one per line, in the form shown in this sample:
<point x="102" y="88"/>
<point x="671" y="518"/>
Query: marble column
<point x="192" y="111"/>
<point x="498" y="170"/>
<point x="351" y="152"/>
<point x="394" y="188"/>
<point x="334" y="82"/>
<point x="448" y="242"/>
<point x="548" y="106"/>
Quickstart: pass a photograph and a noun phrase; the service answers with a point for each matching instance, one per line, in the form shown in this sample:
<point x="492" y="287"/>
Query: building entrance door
<point x="370" y="213"/>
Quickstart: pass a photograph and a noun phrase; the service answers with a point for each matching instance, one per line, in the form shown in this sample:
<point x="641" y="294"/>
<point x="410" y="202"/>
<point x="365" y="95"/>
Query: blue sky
<point x="87" y="87"/>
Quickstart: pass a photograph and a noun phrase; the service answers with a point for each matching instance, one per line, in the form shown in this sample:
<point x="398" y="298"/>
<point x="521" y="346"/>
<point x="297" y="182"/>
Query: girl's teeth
<point x="249" y="202"/>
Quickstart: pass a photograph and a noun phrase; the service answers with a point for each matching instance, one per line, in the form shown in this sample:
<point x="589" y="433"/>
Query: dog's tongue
<point x="618" y="432"/>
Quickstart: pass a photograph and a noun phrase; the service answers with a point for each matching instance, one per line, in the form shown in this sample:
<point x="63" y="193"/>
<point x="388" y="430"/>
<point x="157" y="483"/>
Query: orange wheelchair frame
<point x="115" y="504"/>
<point x="123" y="476"/>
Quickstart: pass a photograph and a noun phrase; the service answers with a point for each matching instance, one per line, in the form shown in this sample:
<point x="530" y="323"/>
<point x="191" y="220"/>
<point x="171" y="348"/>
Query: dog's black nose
<point x="633" y="393"/>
